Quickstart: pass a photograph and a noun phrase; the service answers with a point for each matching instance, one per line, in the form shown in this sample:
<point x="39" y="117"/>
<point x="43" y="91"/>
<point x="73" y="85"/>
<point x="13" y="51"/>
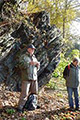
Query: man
<point x="29" y="67"/>
<point x="71" y="74"/>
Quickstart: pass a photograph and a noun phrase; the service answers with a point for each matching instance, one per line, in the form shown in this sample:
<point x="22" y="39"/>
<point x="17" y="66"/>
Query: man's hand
<point x="37" y="64"/>
<point x="34" y="63"/>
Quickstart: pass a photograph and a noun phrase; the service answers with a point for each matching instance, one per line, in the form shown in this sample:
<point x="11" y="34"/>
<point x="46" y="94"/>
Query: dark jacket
<point x="72" y="76"/>
<point x="28" y="72"/>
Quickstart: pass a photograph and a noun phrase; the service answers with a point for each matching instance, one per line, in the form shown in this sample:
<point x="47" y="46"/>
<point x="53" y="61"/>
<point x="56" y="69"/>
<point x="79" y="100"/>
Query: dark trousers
<point x="70" y="98"/>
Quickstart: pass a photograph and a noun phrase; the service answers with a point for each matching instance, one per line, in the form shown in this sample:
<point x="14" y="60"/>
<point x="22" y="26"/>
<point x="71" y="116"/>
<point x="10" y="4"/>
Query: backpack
<point x="66" y="71"/>
<point x="31" y="103"/>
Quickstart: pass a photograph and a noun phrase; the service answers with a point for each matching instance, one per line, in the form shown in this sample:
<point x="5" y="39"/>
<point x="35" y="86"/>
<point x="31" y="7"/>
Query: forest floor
<point x="53" y="105"/>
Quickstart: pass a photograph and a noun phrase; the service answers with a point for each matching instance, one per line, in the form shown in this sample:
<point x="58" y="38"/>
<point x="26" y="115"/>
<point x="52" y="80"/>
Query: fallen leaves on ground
<point x="53" y="106"/>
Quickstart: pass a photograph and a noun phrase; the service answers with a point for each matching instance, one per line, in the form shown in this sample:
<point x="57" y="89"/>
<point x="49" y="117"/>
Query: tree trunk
<point x="64" y="18"/>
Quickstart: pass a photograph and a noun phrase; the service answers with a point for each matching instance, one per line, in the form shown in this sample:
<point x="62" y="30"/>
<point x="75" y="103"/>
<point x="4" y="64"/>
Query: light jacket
<point x="28" y="72"/>
<point x="72" y="80"/>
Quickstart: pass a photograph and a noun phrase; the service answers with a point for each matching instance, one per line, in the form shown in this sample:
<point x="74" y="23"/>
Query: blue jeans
<point x="70" y="98"/>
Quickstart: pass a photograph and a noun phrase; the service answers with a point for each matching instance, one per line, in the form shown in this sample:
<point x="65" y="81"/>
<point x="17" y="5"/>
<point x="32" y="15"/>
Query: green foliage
<point x="23" y="118"/>
<point x="10" y="111"/>
<point x="64" y="118"/>
<point x="56" y="74"/>
<point x="52" y="84"/>
<point x="75" y="53"/>
<point x="59" y="70"/>
<point x="59" y="95"/>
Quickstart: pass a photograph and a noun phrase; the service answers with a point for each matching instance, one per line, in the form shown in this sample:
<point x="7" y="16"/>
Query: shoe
<point x="71" y="109"/>
<point x="20" y="110"/>
<point x="77" y="109"/>
<point x="38" y="107"/>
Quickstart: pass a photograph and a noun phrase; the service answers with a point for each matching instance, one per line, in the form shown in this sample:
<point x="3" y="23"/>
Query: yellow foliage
<point x="57" y="8"/>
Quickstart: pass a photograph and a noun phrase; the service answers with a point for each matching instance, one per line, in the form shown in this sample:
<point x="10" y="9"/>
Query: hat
<point x="31" y="46"/>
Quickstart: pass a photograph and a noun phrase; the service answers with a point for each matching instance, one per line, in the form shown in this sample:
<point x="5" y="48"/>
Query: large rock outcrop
<point x="14" y="39"/>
